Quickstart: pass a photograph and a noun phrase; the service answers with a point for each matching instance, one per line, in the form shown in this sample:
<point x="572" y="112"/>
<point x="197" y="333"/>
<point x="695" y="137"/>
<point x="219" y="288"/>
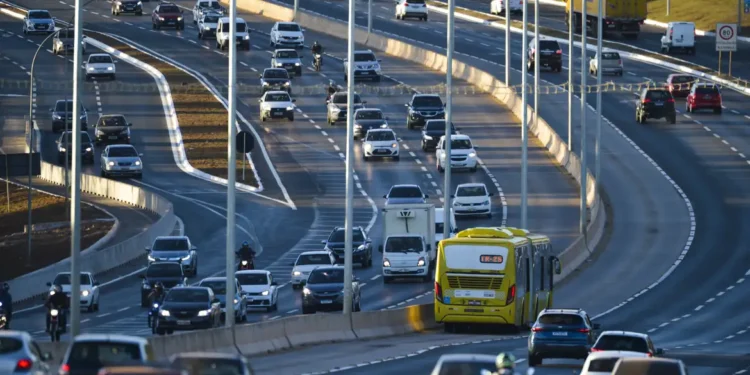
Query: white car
<point x="242" y="34"/>
<point x="260" y="289"/>
<point x="121" y="160"/>
<point x="463" y="154"/>
<point x="38" y="21"/>
<point x="276" y="104"/>
<point x="89" y="289"/>
<point x="380" y="143"/>
<point x="497" y="7"/>
<point x="478" y="363"/>
<point x="100" y="65"/>
<point x="207" y="24"/>
<point x="439" y="224"/>
<point x="411" y="9"/>
<point x="219" y="286"/>
<point x="472" y="199"/>
<point x="366" y="66"/>
<point x="626" y="341"/>
<point x="135" y="350"/>
<point x="679" y="36"/>
<point x="287" y="34"/>
<point x="308" y="261"/>
<point x="202" y="7"/>
<point x="602" y="363"/>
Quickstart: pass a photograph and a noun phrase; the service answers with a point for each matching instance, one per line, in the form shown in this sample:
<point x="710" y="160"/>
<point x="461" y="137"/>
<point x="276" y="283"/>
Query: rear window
<point x="548" y="44"/>
<point x="469" y="368"/>
<point x="95" y="355"/>
<point x="682" y="79"/>
<point x="622" y="343"/>
<point x="706" y="90"/>
<point x="610" y="56"/>
<point x="169" y="9"/>
<point x="561" y="319"/>
<point x="658" y="95"/>
<point x="648" y="368"/>
<point x="10" y="345"/>
<point x="603" y="365"/>
<point x="427" y="101"/>
<point x="308" y="259"/>
<point x="416" y="1"/>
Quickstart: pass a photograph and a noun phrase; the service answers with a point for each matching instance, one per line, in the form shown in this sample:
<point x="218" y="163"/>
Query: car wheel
<point x="299" y="72"/>
<point x="365" y="158"/>
<point x="449" y="327"/>
<point x="200" y="35"/>
<point x="473" y="170"/>
<point x="425" y="18"/>
<point x="139" y="14"/>
<point x="397" y="158"/>
<point x="376" y="79"/>
<point x="295" y="287"/>
<point x="307" y="310"/>
<point x="440" y="168"/>
<point x="113" y="77"/>
<point x="673" y="120"/>
<point x="291" y="117"/>
<point x="717" y="110"/>
<point x="262" y="118"/>
<point x="534" y="360"/>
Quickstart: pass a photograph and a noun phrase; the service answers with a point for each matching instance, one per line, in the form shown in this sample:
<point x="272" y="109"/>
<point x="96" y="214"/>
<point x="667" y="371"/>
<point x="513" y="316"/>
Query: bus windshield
<point x="476" y="257"/>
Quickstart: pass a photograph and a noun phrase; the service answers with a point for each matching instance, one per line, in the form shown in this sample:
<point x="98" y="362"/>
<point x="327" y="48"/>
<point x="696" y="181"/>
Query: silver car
<point x="287" y="59"/>
<point x="611" y="64"/>
<point x="337" y="107"/>
<point x="175" y="249"/>
<point x="121" y="160"/>
<point x="20" y="354"/>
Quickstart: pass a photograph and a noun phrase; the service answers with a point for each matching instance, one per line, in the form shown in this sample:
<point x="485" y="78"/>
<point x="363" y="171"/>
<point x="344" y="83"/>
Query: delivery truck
<point x="619" y="17"/>
<point x="408" y="241"/>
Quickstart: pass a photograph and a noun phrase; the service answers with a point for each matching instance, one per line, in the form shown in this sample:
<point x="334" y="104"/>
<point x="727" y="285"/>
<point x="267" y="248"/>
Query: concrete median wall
<point x="371" y="324"/>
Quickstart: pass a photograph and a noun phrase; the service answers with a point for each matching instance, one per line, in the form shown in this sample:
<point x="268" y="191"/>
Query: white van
<point x="439" y="216"/>
<point x="222" y="34"/>
<point x="679" y="36"/>
<point x="497" y="7"/>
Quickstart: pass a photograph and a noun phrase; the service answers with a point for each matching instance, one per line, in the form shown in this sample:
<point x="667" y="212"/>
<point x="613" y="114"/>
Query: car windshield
<point x="289" y="27"/>
<point x="100" y="59"/>
<point x="658" y="95"/>
<point x="187" y="295"/>
<point x="561" y="319"/>
<point x="623" y="343"/>
<point x="342" y="99"/>
<point x="210" y="366"/>
<point x="169" y="9"/>
<point x="364" y="57"/>
<point x="460" y="144"/>
<point x="122" y="152"/>
<point x="427" y="101"/>
<point x="286" y="55"/>
<point x="10" y="345"/>
<point x="240" y="27"/>
<point x="164" y="270"/>
<point x="67" y="138"/>
<point x="339" y="234"/>
<point x="471" y="191"/>
<point x="64" y="279"/>
<point x="405" y="192"/>
<point x="211" y="19"/>
<point x="218" y="286"/>
<point x="63" y="106"/>
<point x="167" y="244"/>
<point x="114" y="121"/>
<point x="40" y="15"/>
<point x="403" y="244"/>
<point x="603" y="365"/>
<point x="466" y="367"/>
<point x="438" y="125"/>
<point x="649" y="368"/>
<point x="93" y="355"/>
<point x="252" y="278"/>
<point x="706" y="90"/>
<point x="278" y="98"/>
<point x="327" y="276"/>
<point x="276" y="73"/>
<point x="369" y="115"/>
<point x="381" y="136"/>
<point x="548" y="45"/>
<point x="610" y="56"/>
<point x="308" y="259"/>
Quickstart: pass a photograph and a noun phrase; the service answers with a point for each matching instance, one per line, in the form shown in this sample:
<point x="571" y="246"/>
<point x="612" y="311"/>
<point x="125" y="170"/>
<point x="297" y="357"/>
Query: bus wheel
<point x="449" y="327"/>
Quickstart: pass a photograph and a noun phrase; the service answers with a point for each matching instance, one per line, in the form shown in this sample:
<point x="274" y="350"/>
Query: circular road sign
<point x="245" y="142"/>
<point x="726" y="32"/>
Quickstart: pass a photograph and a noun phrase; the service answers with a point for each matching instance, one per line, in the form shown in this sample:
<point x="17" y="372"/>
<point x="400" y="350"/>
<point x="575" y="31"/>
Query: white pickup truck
<point x="408" y="241"/>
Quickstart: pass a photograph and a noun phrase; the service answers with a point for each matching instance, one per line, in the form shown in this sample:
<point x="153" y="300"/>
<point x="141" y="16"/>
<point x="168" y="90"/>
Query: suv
<point x="365" y="66"/>
<point x="337" y="104"/>
<point x="38" y="21"/>
<point x="169" y="15"/>
<point x="561" y="333"/>
<point x="91" y="351"/>
<point x="242" y="34"/>
<point x="626" y="341"/>
<point x="431" y="133"/>
<point x="127" y="6"/>
<point x="63" y="41"/>
<point x="361" y="245"/>
<point x="176" y="249"/>
<point x="63" y="112"/>
<point x="411" y="9"/>
<point x="655" y="103"/>
<point x="366" y="119"/>
<point x="550" y="55"/>
<point x="703" y="95"/>
<point x="423" y="107"/>
<point x="679" y="84"/>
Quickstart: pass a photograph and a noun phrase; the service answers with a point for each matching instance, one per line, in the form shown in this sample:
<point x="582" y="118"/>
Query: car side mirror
<point x="364" y="102"/>
<point x="328" y="102"/>
<point x="387" y="118"/>
<point x="380" y="248"/>
<point x="426" y="196"/>
<point x="96" y="283"/>
<point x="323" y="241"/>
<point x="130" y="124"/>
<point x="406" y="105"/>
<point x="294" y="100"/>
<point x="302" y="57"/>
<point x="659" y="351"/>
<point x="443" y="105"/>
<point x="49" y="284"/>
<point x="182" y="12"/>
<point x="57" y="141"/>
<point x="193" y="248"/>
<point x="428" y="247"/>
<point x="260" y="75"/>
<point x="274" y="283"/>
<point x="380" y="60"/>
<point x="356" y="278"/>
<point x="368" y="241"/>
<point x="141" y="154"/>
<point x="260" y="100"/>
<point x="556" y="264"/>
<point x="597" y="326"/>
<point x="491" y="194"/>
<point x="453" y="195"/>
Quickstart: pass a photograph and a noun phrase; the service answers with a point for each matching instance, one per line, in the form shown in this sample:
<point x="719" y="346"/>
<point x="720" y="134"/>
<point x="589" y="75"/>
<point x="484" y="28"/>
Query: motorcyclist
<point x="317" y="48"/>
<point x="157" y="294"/>
<point x="506" y="364"/>
<point x="59" y="301"/>
<point x="332" y="89"/>
<point x="7" y="304"/>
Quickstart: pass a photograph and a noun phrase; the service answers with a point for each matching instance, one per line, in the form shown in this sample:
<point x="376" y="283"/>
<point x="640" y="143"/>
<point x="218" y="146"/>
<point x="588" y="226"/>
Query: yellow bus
<point x="546" y="265"/>
<point x="479" y="276"/>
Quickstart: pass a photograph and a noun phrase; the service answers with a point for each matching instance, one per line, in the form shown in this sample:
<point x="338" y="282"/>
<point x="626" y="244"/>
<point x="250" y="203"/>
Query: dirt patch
<point x="203" y="119"/>
<point x="48" y="246"/>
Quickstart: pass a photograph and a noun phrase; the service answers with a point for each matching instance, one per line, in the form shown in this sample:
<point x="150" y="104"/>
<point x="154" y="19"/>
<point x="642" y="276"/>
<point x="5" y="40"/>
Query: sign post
<point x="726" y="41"/>
<point x="244" y="144"/>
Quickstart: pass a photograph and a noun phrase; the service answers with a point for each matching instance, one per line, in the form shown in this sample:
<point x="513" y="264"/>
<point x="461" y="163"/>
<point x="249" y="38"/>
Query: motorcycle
<point x="246" y="265"/>
<point x="317" y="61"/>
<point x="55" y="327"/>
<point x="152" y="315"/>
<point x="3" y="318"/>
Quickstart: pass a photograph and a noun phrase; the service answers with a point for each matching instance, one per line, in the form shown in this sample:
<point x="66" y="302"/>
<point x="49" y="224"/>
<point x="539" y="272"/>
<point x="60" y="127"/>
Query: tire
<point x="376" y="79"/>
<point x="139" y="14"/>
<point x="306" y="311"/>
<point x="295" y="287"/>
<point x="291" y="118"/>
<point x="299" y="72"/>
<point x="262" y="118"/>
<point x="717" y="110"/>
<point x="449" y="327"/>
<point x="473" y="170"/>
<point x="365" y="158"/>
<point x="160" y="331"/>
<point x="200" y="35"/>
<point x="440" y="169"/>
<point x="387" y="280"/>
<point x="218" y="45"/>
<point x="425" y="18"/>
<point x="113" y="77"/>
<point x="397" y="158"/>
<point x="673" y="120"/>
<point x="534" y="360"/>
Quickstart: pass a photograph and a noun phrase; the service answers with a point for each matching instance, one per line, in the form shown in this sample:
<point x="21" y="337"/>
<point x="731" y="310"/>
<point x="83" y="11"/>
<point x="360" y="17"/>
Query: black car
<point x="201" y="363"/>
<point x="275" y="79"/>
<point x="127" y="6"/>
<point x="65" y="142"/>
<point x="561" y="333"/>
<point x="366" y="119"/>
<point x="62" y="112"/>
<point x="324" y="291"/>
<point x="423" y="107"/>
<point x="655" y="103"/>
<point x="188" y="308"/>
<point x="167" y="15"/>
<point x="550" y="55"/>
<point x="361" y="246"/>
<point x="431" y="133"/>
<point x="168" y="273"/>
<point x="112" y="129"/>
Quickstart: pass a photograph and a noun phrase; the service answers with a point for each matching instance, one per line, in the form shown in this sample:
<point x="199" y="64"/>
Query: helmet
<point x="159" y="285"/>
<point x="316" y="43"/>
<point x="505" y="361"/>
<point x="245" y="244"/>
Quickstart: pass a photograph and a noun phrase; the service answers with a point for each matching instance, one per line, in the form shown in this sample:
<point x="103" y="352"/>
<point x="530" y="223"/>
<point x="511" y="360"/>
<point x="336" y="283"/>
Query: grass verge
<point x="202" y="118"/>
<point x="722" y="11"/>
<point x="48" y="246"/>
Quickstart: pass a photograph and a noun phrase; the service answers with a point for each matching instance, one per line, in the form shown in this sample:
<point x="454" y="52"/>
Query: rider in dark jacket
<point x="57" y="300"/>
<point x="332" y="89"/>
<point x="246" y="252"/>
<point x="157" y="294"/>
<point x="7" y="304"/>
<point x="317" y="49"/>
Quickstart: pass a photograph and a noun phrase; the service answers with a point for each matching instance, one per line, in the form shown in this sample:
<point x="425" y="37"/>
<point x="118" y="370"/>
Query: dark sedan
<point x="112" y="129"/>
<point x="431" y="133"/>
<point x="324" y="291"/>
<point x="361" y="246"/>
<point x="64" y="145"/>
<point x="188" y="308"/>
<point x="168" y="273"/>
<point x="63" y="112"/>
<point x="275" y="79"/>
<point x="679" y="85"/>
<point x="423" y="107"/>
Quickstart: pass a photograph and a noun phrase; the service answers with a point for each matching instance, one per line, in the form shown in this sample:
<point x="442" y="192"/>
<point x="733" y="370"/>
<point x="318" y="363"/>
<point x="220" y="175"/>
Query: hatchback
<point x="626" y="341"/>
<point x="20" y="354"/>
<point x="703" y="96"/>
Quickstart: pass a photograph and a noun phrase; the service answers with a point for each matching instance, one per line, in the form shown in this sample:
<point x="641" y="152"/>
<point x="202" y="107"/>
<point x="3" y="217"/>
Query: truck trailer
<point x="619" y="17"/>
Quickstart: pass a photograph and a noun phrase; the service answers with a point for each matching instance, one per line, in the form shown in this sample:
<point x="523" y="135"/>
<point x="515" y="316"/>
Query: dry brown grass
<point x="203" y="119"/>
<point x="721" y="11"/>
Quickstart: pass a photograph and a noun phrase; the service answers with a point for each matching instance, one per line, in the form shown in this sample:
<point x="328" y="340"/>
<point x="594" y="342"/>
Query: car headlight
<point x="85" y="293"/>
<point x="264" y="293"/>
<point x="278" y="64"/>
<point x="88" y="149"/>
<point x="442" y="156"/>
<point x="138" y="162"/>
<point x="91" y="68"/>
<point x="110" y="68"/>
<point x="151" y="259"/>
<point x="112" y="164"/>
<point x="368" y="146"/>
<point x="203" y="312"/>
<point x="296" y="64"/>
<point x="287" y="83"/>
<point x="165" y="313"/>
<point x="236" y="301"/>
<point x="62" y="149"/>
<point x="140" y="4"/>
<point x="360" y="248"/>
<point x="146" y="285"/>
<point x="386" y="263"/>
<point x="427" y="137"/>
<point x="473" y="154"/>
<point x="244" y="263"/>
<point x="296" y="273"/>
<point x="55" y="116"/>
<point x="265" y="83"/>
<point x="326" y="248"/>
<point x="420" y="263"/>
<point x="99" y="132"/>
<point x="306" y="291"/>
<point x="161" y="18"/>
<point x="179" y="18"/>
<point x="246" y="37"/>
<point x="186" y="257"/>
<point x="395" y="145"/>
<point x="336" y="110"/>
<point x="206" y="27"/>
<point x="290" y="108"/>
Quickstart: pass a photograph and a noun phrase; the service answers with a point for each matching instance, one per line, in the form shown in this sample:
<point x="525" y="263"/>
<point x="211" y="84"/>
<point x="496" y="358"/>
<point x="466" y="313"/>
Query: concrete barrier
<point x="370" y="324"/>
<point x="273" y="333"/>
<point x="303" y="330"/>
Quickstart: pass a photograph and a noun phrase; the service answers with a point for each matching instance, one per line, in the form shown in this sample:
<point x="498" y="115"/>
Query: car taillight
<point x="595" y="350"/>
<point x="65" y="369"/>
<point x="537" y="329"/>
<point x="559" y="52"/>
<point x="650" y="355"/>
<point x="619" y="62"/>
<point x="406" y="4"/>
<point x="583" y="330"/>
<point x="646" y="101"/>
<point x="23" y="365"/>
<point x="438" y="291"/>
<point x="670" y="100"/>
<point x="511" y="295"/>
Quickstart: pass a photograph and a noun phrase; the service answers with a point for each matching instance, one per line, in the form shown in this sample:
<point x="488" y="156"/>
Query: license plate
<point x="402" y="270"/>
<point x="326" y="301"/>
<point x="559" y="333"/>
<point x="475" y="303"/>
<point x="183" y="322"/>
<point x="472" y="209"/>
<point x="112" y="137"/>
<point x="658" y="104"/>
<point x="364" y="73"/>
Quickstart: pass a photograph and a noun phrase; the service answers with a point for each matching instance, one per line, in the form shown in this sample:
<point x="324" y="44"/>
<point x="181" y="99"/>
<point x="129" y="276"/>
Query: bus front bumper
<point x="473" y="314"/>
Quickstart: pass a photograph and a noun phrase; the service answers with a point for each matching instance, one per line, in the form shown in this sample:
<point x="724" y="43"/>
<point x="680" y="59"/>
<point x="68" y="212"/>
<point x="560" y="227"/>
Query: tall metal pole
<point x="507" y="43"/>
<point x="524" y="209"/>
<point x="669" y="5"/>
<point x="597" y="144"/>
<point x="524" y="117"/>
<point x="584" y="75"/>
<point x="739" y="18"/>
<point x="369" y="17"/>
<point x="450" y="45"/>
<point x="571" y="31"/>
<point x="349" y="212"/>
<point x="65" y="130"/>
<point x="75" y="193"/>
<point x="231" y="163"/>
<point x="296" y="8"/>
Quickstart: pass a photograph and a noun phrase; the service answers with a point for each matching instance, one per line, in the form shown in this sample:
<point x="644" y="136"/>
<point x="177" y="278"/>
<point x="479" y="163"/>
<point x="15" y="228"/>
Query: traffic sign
<point x="245" y="142"/>
<point x="726" y="37"/>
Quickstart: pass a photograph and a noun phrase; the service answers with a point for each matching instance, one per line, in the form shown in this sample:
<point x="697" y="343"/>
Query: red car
<point x="704" y="96"/>
<point x="679" y="84"/>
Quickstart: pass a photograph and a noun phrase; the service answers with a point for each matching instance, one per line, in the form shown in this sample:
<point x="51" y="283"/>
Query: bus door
<point x="554" y="267"/>
<point x="543" y="292"/>
<point x="522" y="282"/>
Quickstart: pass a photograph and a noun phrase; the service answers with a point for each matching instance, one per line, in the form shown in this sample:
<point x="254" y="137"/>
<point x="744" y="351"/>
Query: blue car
<point x="561" y="333"/>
